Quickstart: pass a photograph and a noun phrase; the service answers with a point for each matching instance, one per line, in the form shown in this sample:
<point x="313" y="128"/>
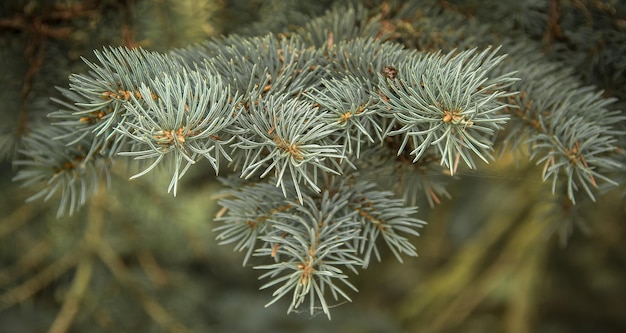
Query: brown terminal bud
<point x="390" y="72"/>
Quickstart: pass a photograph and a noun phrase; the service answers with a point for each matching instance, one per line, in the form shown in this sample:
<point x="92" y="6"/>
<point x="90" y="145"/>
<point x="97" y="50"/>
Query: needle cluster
<point x="309" y="121"/>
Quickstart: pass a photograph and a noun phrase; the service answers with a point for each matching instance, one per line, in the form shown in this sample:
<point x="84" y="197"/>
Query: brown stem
<point x="149" y="303"/>
<point x="39" y="281"/>
<point x="84" y="271"/>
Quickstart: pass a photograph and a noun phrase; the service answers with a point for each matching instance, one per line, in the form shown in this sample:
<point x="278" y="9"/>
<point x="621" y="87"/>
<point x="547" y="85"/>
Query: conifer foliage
<point x="299" y="121"/>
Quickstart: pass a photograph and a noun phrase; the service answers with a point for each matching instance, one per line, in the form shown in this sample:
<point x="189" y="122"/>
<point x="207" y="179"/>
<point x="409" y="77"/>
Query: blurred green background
<point x="135" y="259"/>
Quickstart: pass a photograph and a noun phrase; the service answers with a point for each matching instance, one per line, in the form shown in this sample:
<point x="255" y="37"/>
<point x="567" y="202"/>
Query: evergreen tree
<point x="326" y="132"/>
